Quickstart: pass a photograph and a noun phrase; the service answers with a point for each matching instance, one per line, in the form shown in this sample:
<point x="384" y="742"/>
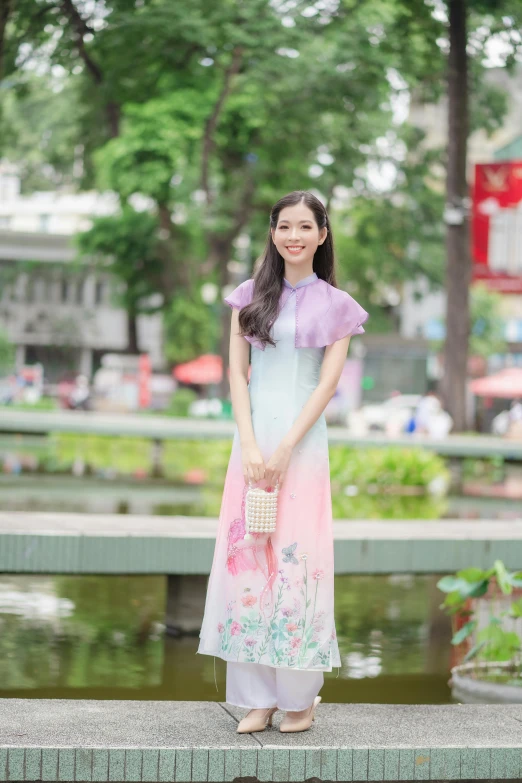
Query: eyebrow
<point x="285" y="220"/>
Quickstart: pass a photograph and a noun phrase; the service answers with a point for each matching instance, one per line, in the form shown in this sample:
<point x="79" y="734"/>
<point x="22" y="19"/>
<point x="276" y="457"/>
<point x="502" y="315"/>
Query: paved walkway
<point x="166" y="428"/>
<point x="60" y="740"/>
<point x="121" y="543"/>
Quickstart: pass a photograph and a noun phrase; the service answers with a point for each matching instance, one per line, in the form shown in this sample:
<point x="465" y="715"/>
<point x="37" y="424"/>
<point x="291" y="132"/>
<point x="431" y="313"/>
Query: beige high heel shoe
<point x="290" y="723"/>
<point x="257" y="722"/>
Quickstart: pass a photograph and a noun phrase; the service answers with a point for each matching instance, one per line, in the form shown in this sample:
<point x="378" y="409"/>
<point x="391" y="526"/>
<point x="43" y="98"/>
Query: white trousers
<point x="257" y="686"/>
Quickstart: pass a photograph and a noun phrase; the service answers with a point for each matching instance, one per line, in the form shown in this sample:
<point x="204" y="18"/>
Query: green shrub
<point x="180" y="402"/>
<point x="372" y="476"/>
<point x="489" y="471"/>
<point x="366" y="506"/>
<point x="43" y="404"/>
<point x="386" y="467"/>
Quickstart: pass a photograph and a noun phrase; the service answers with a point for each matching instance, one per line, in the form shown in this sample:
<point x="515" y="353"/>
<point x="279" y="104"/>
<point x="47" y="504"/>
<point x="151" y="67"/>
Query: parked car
<point x="376" y="417"/>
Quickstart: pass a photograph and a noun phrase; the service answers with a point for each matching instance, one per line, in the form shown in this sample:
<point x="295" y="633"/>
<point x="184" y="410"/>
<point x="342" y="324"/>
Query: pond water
<point x="103" y="637"/>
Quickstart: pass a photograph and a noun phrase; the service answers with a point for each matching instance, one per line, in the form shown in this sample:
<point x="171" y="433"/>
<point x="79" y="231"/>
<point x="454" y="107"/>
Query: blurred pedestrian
<point x="80" y="394"/>
<point x="428" y="405"/>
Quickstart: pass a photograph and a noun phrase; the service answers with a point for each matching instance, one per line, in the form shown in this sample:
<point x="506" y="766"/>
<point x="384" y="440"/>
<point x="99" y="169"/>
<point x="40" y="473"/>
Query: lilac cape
<point x="323" y="313"/>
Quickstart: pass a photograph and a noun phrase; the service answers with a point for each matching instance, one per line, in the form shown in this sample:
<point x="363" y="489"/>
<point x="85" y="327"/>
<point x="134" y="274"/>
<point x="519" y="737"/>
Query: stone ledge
<point x="136" y="544"/>
<point x="62" y="740"/>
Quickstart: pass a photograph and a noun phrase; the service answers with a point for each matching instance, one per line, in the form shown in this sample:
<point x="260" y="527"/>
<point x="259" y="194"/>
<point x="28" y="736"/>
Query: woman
<point x="269" y="608"/>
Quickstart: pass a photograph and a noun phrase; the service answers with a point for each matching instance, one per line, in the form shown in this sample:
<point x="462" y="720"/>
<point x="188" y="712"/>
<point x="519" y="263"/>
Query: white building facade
<point x="55" y="308"/>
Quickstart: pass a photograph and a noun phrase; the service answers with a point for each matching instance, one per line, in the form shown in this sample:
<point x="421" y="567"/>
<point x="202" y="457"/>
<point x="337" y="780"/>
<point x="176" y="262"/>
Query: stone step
<point x="65" y="740"/>
<point x="138" y="544"/>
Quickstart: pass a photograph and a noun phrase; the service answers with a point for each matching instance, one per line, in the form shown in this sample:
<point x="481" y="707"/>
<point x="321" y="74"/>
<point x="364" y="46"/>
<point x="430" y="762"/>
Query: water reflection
<point x="104" y="637"/>
<point x="95" y="496"/>
<point x="360" y="665"/>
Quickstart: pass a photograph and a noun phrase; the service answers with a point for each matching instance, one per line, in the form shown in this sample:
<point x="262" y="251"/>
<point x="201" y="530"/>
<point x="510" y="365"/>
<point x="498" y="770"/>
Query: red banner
<point x="497" y="225"/>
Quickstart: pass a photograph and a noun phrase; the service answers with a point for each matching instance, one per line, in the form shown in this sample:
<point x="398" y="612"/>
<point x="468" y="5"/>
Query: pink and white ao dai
<point x="270" y="600"/>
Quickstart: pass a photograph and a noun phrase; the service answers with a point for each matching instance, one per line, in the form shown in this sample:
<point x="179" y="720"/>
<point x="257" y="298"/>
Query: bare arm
<point x="331" y="369"/>
<point x="253" y="463"/>
<point x="238" y="361"/>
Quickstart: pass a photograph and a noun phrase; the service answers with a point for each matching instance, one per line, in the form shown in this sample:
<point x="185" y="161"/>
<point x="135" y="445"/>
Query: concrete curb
<point x="139" y="544"/>
<point x="60" y="740"/>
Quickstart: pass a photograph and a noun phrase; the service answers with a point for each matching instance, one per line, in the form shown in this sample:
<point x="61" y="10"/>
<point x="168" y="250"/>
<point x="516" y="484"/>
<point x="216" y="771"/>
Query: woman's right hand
<point x="253" y="463"/>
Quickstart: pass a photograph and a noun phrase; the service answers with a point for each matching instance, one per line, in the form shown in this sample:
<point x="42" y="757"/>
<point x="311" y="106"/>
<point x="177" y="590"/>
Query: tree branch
<point x="211" y="124"/>
<point x="5" y="11"/>
<point x="220" y="244"/>
<point x="81" y="28"/>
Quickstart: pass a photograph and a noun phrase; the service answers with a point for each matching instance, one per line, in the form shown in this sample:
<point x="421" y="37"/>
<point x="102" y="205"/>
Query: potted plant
<point x="486" y="610"/>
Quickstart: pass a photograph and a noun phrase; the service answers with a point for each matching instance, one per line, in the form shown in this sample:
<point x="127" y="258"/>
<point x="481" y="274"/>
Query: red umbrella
<point x="207" y="368"/>
<point x="506" y="383"/>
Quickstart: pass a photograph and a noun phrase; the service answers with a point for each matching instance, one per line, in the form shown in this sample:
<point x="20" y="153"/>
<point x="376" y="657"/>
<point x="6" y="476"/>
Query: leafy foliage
<point x="487" y="325"/>
<point x="7" y="352"/>
<point x="495" y="641"/>
<point x="385" y="467"/>
<point x="189" y="328"/>
<point x="126" y="245"/>
<point x="213" y="110"/>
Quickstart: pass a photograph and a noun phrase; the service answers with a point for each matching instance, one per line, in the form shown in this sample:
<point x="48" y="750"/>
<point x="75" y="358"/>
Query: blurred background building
<point x="422" y="310"/>
<point x="57" y="310"/>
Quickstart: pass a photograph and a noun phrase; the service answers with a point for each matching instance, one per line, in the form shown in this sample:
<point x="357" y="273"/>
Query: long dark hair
<point x="256" y="319"/>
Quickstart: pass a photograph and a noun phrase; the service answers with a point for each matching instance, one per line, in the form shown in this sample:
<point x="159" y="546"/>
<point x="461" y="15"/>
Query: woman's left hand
<point x="277" y="465"/>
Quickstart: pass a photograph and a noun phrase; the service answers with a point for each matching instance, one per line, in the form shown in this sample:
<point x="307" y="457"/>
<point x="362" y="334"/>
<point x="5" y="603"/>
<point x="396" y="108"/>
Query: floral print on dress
<point x="251" y="555"/>
<point x="290" y="635"/>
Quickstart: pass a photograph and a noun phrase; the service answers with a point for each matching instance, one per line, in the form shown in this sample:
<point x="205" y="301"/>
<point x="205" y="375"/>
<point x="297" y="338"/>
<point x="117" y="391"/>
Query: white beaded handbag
<point x="260" y="510"/>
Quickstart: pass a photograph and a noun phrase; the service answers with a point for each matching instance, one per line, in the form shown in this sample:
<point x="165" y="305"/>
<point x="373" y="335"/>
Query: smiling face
<point x="297" y="235"/>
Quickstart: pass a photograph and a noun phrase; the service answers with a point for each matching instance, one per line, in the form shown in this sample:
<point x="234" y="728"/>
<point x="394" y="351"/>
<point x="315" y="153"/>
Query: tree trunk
<point x="132" y="333"/>
<point x="5" y="11"/>
<point x="177" y="273"/>
<point x="458" y="267"/>
<point x="113" y="110"/>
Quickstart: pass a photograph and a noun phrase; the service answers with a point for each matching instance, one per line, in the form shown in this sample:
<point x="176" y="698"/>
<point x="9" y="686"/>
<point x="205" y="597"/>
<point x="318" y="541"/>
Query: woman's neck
<point x="295" y="275"/>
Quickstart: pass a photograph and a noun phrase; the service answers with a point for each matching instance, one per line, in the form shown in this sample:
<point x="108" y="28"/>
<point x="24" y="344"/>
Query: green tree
<point x="387" y="238"/>
<point x="487" y="323"/>
<point x="213" y="111"/>
<point x="40" y="130"/>
<point x="466" y="20"/>
<point x="440" y="51"/>
<point x="7" y="354"/>
<point x="244" y="127"/>
<point x="456" y="34"/>
<point x="126" y="245"/>
<point x="188" y="328"/>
